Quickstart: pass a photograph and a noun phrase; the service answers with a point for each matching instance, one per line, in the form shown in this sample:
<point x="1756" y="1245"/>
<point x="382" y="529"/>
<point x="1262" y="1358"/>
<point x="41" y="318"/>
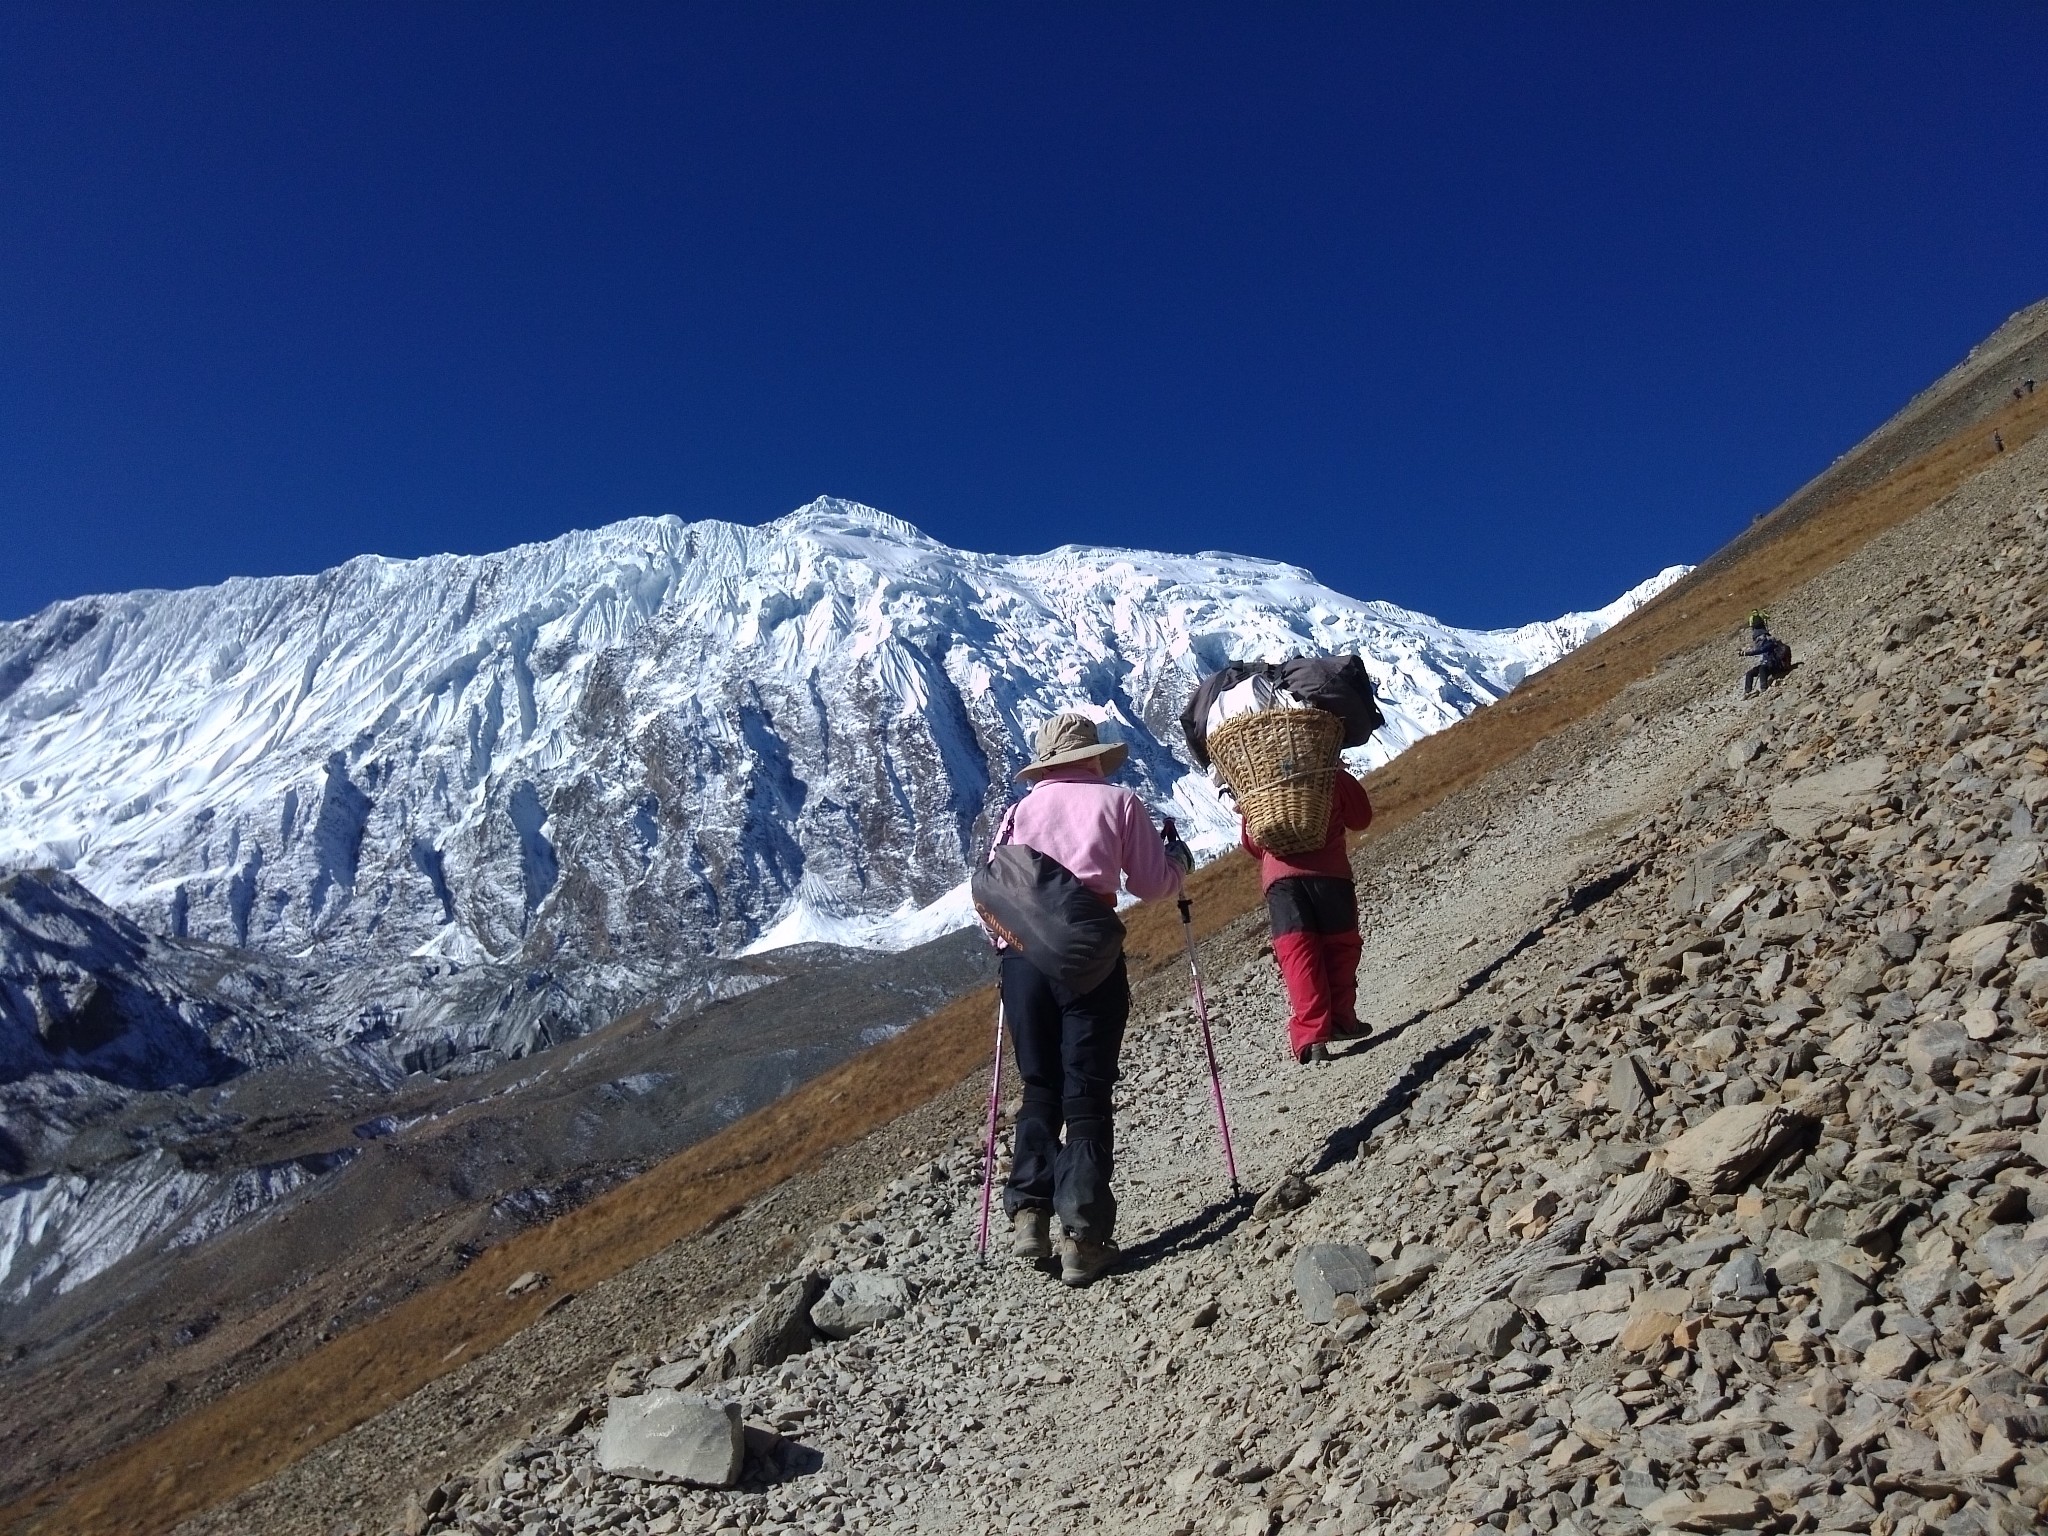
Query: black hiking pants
<point x="1067" y="1046"/>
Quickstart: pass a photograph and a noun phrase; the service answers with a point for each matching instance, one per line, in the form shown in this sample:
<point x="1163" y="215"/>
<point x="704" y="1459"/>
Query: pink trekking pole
<point x="1187" y="928"/>
<point x="988" y="1157"/>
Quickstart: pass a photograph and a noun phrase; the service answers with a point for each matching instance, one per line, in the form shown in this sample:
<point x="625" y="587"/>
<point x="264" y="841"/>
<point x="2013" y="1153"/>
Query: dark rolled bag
<point x="1337" y="685"/>
<point x="1036" y="906"/>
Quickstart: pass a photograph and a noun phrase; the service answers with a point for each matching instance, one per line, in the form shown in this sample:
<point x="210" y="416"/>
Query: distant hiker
<point x="1774" y="656"/>
<point x="1998" y="441"/>
<point x="1067" y="1043"/>
<point x="1314" y="908"/>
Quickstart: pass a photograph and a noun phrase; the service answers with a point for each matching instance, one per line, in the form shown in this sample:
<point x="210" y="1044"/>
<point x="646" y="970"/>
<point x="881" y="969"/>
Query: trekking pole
<point x="1187" y="928"/>
<point x="988" y="1158"/>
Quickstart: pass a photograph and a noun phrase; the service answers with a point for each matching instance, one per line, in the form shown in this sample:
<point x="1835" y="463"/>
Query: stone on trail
<point x="1721" y="1508"/>
<point x="532" y="1280"/>
<point x="1741" y="1278"/>
<point x="1325" y="1271"/>
<point x="2001" y="891"/>
<point x="1714" y="867"/>
<point x="1933" y="1049"/>
<point x="1891" y="1357"/>
<point x="1716" y="1155"/>
<point x="673" y="1437"/>
<point x="1841" y="1294"/>
<point x="1801" y="808"/>
<point x="1291" y="1193"/>
<point x="1632" y="1202"/>
<point x="1493" y="1328"/>
<point x="1598" y="1418"/>
<point x="1405" y="1273"/>
<point x="1629" y="1089"/>
<point x="1555" y="1279"/>
<point x="857" y="1301"/>
<point x="1652" y="1319"/>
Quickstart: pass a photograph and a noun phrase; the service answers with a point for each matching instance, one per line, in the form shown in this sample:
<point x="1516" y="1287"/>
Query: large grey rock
<point x="1741" y="1278"/>
<point x="1725" y="1148"/>
<point x="1557" y="1279"/>
<point x="673" y="1437"/>
<point x="1633" y="1201"/>
<point x="781" y="1327"/>
<point x="859" y="1300"/>
<point x="1801" y="808"/>
<point x="1862" y="975"/>
<point x="1598" y="1417"/>
<point x="1325" y="1271"/>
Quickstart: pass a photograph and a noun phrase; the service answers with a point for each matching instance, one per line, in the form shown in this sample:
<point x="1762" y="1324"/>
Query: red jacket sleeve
<point x="1352" y="806"/>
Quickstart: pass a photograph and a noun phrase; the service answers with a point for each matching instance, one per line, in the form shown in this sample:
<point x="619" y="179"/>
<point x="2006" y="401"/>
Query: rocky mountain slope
<point x="1693" y="1179"/>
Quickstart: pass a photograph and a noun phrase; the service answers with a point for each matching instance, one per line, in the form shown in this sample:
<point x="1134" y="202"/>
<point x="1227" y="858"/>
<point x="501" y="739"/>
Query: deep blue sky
<point x="1488" y="312"/>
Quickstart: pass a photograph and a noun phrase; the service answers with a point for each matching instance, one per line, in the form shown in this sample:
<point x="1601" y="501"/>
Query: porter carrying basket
<point x="1281" y="764"/>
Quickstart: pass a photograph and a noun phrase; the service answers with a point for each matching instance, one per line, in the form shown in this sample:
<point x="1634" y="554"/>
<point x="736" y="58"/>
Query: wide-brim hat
<point x="1067" y="739"/>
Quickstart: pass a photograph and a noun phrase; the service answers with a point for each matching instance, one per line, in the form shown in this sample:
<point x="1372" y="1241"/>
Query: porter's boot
<point x="1031" y="1236"/>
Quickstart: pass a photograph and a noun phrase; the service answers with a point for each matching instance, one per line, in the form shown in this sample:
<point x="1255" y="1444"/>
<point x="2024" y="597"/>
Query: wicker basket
<point x="1280" y="763"/>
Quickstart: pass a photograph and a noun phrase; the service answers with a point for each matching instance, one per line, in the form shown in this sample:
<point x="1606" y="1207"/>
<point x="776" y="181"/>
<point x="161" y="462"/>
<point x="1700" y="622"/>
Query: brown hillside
<point x="227" y="1446"/>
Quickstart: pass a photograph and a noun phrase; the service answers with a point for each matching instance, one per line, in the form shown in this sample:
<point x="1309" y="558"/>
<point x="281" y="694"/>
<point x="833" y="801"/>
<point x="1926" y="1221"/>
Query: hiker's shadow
<point x="1206" y="1227"/>
<point x="1385" y="1036"/>
<point x="1343" y="1143"/>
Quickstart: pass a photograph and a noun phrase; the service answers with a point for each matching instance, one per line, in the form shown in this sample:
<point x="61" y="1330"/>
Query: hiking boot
<point x="1315" y="1055"/>
<point x="1082" y="1260"/>
<point x="1355" y="1029"/>
<point x="1031" y="1236"/>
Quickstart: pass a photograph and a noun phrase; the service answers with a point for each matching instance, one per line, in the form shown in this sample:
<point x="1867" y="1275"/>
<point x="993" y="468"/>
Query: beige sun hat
<point x="1071" y="738"/>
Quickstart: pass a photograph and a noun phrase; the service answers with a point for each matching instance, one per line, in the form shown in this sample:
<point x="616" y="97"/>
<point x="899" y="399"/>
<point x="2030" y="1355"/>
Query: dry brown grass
<point x="230" y="1444"/>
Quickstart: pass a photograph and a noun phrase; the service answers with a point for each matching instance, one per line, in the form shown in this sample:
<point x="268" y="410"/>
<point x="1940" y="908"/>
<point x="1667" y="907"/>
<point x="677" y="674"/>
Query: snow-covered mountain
<point x="434" y="814"/>
<point x="658" y="736"/>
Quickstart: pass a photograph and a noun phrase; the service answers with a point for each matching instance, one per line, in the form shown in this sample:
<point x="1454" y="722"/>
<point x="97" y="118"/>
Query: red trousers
<point x="1316" y="941"/>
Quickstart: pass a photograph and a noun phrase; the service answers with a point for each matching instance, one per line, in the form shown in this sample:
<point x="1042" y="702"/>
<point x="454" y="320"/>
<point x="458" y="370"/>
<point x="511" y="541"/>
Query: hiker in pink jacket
<point x="1067" y="1045"/>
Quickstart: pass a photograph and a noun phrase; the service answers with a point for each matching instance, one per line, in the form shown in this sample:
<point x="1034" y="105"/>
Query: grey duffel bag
<point x="1036" y="906"/>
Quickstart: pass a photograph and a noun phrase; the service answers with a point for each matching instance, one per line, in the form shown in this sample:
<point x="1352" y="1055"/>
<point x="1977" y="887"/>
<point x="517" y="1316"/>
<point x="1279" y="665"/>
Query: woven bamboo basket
<point x="1281" y="763"/>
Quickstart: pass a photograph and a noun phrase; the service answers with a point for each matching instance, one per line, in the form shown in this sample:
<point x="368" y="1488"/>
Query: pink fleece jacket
<point x="1099" y="830"/>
